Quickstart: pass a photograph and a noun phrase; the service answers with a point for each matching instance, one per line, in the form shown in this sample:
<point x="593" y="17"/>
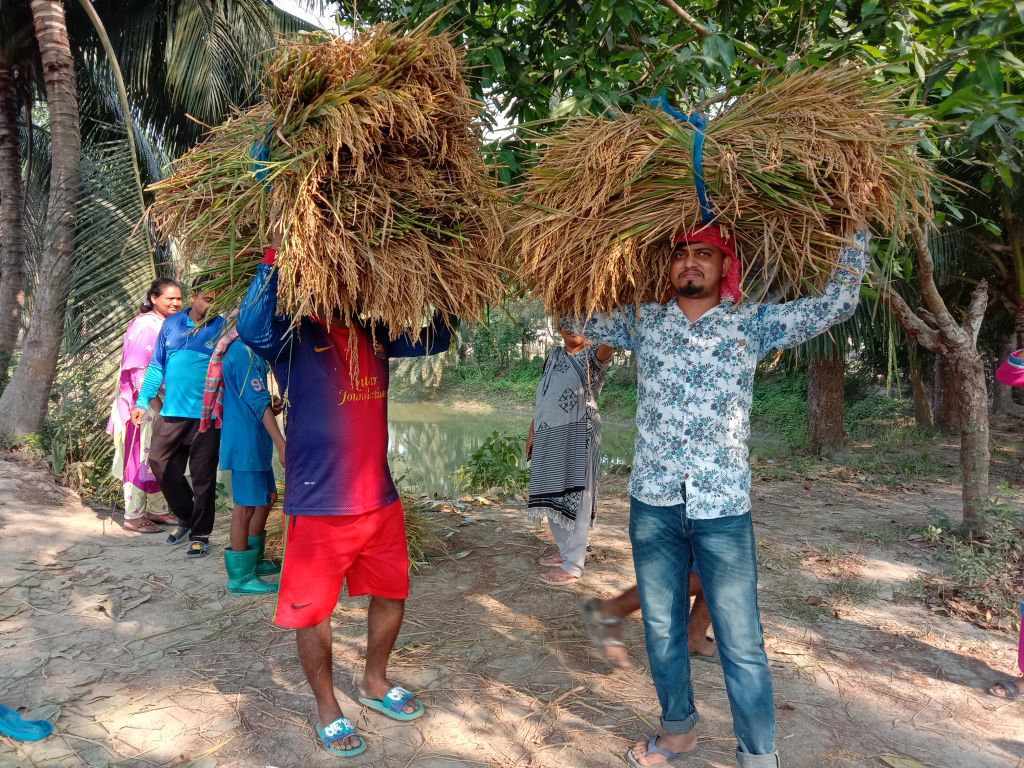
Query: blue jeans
<point x="666" y="543"/>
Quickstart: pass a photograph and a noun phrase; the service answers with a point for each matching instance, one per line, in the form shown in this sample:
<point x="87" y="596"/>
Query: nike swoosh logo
<point x="323" y="349"/>
<point x="299" y="607"/>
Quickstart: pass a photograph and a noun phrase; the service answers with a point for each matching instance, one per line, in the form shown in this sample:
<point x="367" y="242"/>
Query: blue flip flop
<point x="178" y="534"/>
<point x="652" y="749"/>
<point x="393" y="704"/>
<point x="336" y="731"/>
<point x="13" y="726"/>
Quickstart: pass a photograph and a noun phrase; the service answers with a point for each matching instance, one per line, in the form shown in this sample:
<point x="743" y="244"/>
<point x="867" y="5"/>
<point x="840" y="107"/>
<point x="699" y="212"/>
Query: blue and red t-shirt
<point x="337" y="425"/>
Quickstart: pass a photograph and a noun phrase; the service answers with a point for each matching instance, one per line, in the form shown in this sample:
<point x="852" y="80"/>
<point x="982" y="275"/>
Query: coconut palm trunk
<point x="23" y="403"/>
<point x="12" y="220"/>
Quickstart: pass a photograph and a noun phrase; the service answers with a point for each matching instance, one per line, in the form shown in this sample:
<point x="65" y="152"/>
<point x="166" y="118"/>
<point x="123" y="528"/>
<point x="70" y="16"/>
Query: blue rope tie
<point x="699" y="124"/>
<point x="261" y="156"/>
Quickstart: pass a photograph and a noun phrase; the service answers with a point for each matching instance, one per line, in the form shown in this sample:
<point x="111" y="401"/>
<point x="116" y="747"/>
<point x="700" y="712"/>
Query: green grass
<point x="851" y="591"/>
<point x="890" y="533"/>
<point x="809" y="610"/>
<point x="895" y="469"/>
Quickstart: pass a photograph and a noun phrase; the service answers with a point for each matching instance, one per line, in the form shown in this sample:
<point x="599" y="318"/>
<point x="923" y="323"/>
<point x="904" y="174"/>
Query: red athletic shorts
<point x="369" y="551"/>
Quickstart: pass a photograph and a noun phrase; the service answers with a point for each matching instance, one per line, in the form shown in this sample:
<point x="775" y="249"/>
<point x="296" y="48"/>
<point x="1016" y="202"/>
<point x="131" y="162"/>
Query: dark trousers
<point x="177" y="442"/>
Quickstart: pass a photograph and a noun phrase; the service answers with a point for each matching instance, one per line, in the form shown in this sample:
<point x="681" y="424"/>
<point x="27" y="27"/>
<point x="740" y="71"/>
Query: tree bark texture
<point x="13" y="239"/>
<point x="1018" y="325"/>
<point x="947" y="397"/>
<point x="826" y="381"/>
<point x="922" y="401"/>
<point x="24" y="401"/>
<point x="960" y="369"/>
<point x="975" y="452"/>
<point x="1002" y="395"/>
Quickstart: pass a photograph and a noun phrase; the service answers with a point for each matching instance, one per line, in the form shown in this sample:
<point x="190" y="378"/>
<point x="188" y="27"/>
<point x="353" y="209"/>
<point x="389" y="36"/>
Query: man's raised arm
<point x="258" y="323"/>
<point x="794" y="322"/>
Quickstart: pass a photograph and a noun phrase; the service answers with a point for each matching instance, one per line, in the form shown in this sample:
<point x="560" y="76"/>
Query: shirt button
<point x="687" y="475"/>
<point x="685" y="442"/>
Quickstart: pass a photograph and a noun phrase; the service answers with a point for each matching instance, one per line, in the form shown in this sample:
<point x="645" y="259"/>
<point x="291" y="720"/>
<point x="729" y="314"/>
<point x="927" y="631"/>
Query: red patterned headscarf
<point x="715" y="235"/>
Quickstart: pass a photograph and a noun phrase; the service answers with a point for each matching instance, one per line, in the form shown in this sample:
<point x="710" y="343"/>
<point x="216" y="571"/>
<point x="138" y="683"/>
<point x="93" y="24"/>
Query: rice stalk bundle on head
<point x="374" y="175"/>
<point x="789" y="166"/>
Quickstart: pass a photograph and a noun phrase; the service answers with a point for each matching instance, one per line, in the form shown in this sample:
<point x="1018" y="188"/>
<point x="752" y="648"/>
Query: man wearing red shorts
<point x="344" y="519"/>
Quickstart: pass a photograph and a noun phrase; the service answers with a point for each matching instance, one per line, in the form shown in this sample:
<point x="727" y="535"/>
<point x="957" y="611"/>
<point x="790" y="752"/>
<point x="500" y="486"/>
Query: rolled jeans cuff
<point x="680" y="726"/>
<point x="747" y="760"/>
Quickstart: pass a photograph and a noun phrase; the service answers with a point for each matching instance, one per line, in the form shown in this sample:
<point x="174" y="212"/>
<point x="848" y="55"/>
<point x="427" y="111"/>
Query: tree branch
<point x="688" y="18"/>
<point x="910" y="322"/>
<point x="928" y="318"/>
<point x="976" y="311"/>
<point x="926" y="266"/>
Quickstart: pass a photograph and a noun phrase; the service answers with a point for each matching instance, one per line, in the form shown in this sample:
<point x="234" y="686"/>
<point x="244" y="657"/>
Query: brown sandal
<point x="142" y="526"/>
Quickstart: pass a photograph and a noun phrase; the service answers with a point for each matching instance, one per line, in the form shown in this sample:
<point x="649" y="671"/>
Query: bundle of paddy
<point x="788" y="166"/>
<point x="423" y="531"/>
<point x="374" y="174"/>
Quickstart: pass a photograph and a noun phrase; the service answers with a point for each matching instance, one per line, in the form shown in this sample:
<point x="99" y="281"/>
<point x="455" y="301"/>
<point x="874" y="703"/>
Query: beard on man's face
<point x="690" y="290"/>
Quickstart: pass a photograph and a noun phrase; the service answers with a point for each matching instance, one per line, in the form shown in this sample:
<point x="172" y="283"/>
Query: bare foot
<point x="555" y="560"/>
<point x="615" y="651"/>
<point x="702" y="646"/>
<point x="557" y="577"/>
<point x="378" y="690"/>
<point x="164" y="517"/>
<point x="1009" y="690"/>
<point x="670" y="742"/>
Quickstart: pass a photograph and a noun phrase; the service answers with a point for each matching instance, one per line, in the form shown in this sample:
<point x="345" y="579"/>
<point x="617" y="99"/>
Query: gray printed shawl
<point x="567" y="437"/>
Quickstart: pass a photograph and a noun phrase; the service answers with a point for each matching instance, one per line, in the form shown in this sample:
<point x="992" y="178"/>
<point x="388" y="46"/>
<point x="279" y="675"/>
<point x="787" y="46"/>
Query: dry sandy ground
<point x="142" y="659"/>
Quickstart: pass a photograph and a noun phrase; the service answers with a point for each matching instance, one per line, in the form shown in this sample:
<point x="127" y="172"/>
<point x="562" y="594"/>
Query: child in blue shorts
<point x="248" y="437"/>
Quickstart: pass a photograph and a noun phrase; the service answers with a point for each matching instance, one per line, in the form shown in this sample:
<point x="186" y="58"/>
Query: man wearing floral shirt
<point x="690" y="488"/>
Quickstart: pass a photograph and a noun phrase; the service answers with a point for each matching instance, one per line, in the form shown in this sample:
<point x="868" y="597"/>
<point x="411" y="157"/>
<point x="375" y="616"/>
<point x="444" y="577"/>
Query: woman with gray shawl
<point x="564" y="447"/>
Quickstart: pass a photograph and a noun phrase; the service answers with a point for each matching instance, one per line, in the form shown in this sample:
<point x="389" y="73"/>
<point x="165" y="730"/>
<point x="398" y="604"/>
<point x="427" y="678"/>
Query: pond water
<point x="428" y="442"/>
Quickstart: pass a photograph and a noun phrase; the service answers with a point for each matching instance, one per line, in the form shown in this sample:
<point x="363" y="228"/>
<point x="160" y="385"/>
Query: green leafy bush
<point x="74" y="438"/>
<point x="780" y="409"/>
<point x="497" y="464"/>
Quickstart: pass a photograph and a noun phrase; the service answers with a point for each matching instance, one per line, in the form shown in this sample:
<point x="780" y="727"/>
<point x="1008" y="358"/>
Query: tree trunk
<point x="825" y="399"/>
<point x="1002" y="395"/>
<point x="947" y="396"/>
<point x="1018" y="325"/>
<point x="24" y="401"/>
<point x="13" y="250"/>
<point x="959" y="368"/>
<point x="922" y="404"/>
<point x="975" y="454"/>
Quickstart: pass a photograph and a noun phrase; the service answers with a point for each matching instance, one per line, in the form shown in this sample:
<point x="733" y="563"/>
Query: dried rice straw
<point x="375" y="174"/>
<point x="788" y="166"/>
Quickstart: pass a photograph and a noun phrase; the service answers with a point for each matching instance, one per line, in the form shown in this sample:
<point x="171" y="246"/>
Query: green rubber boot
<point x="264" y="567"/>
<point x="242" y="578"/>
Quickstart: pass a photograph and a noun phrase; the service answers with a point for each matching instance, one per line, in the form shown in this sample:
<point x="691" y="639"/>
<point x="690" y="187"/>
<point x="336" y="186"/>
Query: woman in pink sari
<point x="144" y="505"/>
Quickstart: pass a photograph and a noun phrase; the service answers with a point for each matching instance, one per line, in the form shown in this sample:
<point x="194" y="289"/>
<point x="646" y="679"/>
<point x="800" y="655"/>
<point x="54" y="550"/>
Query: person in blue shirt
<point x="249" y="433"/>
<point x="179" y="363"/>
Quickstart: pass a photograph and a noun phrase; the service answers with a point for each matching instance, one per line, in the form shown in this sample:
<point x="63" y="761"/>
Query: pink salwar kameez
<point x="131" y="443"/>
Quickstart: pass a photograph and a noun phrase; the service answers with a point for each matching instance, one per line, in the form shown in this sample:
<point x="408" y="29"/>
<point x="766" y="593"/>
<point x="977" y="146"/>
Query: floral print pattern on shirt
<point x="695" y="385"/>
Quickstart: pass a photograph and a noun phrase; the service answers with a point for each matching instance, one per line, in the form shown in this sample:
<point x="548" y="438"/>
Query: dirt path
<point x="143" y="660"/>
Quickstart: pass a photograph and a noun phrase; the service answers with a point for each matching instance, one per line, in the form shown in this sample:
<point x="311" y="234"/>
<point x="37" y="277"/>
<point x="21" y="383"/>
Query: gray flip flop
<point x="597" y="627"/>
<point x="653" y="749"/>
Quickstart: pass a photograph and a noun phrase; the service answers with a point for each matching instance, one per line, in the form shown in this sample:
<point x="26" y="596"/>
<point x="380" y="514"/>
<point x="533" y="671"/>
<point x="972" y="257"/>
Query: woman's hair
<point x="156" y="290"/>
